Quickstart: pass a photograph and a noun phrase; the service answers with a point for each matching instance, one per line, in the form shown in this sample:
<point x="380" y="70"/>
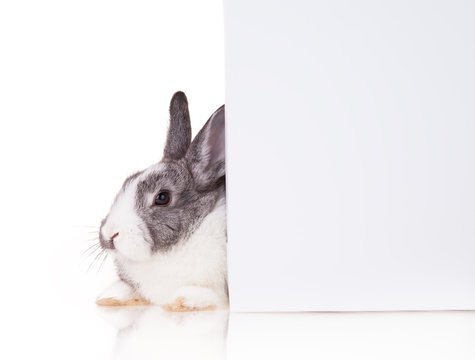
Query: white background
<point x="84" y="94"/>
<point x="85" y="88"/>
<point x="351" y="155"/>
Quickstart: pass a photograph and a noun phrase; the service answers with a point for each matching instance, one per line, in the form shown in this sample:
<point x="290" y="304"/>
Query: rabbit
<point x="166" y="229"/>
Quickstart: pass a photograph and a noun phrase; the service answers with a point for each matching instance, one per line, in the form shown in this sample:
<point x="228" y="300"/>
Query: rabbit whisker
<point x="102" y="262"/>
<point x="96" y="258"/>
<point x="89" y="252"/>
<point x="92" y="247"/>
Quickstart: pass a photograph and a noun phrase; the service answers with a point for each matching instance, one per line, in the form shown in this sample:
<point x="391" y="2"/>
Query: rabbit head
<point x="161" y="206"/>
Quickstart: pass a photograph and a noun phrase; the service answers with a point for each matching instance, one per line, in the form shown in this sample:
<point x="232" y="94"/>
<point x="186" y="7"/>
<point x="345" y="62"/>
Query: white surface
<point x="57" y="331"/>
<point x="350" y="154"/>
<point x="444" y="335"/>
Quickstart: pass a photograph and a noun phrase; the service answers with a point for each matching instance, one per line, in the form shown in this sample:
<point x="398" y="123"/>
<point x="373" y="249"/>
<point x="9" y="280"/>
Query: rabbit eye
<point x="162" y="198"/>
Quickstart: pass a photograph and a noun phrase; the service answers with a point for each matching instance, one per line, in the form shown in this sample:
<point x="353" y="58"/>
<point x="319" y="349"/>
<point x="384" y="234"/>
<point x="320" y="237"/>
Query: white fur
<point x="119" y="290"/>
<point x="195" y="270"/>
<point x="196" y="296"/>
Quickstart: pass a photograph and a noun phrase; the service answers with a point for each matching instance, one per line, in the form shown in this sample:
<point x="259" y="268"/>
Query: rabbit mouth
<point x="135" y="248"/>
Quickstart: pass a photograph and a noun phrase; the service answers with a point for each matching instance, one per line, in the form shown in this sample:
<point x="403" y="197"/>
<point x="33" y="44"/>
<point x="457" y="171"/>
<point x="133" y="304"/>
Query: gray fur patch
<point x="196" y="181"/>
<point x="168" y="225"/>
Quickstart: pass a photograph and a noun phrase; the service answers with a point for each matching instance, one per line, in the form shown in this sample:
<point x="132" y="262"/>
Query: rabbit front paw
<point x="193" y="298"/>
<point x="120" y="294"/>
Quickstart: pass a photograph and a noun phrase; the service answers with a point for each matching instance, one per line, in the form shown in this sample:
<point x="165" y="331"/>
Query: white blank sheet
<point x="350" y="154"/>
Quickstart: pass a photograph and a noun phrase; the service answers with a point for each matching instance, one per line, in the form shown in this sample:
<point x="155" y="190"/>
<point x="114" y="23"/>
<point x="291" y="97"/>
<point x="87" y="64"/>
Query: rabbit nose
<point x="107" y="243"/>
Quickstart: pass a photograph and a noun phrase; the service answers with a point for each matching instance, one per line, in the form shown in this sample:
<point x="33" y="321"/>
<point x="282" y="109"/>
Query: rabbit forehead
<point x="169" y="175"/>
<point x="128" y="197"/>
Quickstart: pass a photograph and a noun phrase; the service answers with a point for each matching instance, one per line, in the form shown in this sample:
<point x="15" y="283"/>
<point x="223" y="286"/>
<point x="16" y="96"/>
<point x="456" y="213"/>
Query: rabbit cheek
<point x="131" y="239"/>
<point x="133" y="246"/>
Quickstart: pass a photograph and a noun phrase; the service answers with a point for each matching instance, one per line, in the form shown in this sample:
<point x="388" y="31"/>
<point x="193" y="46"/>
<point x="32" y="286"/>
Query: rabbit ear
<point x="179" y="132"/>
<point x="206" y="155"/>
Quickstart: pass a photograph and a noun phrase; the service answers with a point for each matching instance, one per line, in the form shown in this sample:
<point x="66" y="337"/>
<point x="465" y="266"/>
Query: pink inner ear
<point x="216" y="139"/>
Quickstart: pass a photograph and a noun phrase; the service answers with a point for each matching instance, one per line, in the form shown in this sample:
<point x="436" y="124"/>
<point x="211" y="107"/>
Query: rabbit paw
<point x="114" y="302"/>
<point x="120" y="294"/>
<point x="192" y="298"/>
